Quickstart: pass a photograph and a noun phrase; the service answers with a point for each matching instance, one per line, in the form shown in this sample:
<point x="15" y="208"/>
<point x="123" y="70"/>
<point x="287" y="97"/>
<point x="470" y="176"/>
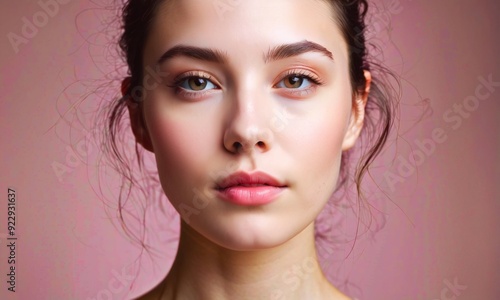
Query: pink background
<point x="441" y="225"/>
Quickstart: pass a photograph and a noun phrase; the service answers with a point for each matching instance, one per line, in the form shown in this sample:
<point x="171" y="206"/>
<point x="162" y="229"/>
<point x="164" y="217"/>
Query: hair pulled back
<point x="137" y="17"/>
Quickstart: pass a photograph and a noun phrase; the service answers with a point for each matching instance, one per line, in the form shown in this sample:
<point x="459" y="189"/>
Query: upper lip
<point x="249" y="179"/>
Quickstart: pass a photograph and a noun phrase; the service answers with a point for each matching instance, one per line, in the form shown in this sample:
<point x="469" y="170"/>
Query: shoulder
<point x="157" y="293"/>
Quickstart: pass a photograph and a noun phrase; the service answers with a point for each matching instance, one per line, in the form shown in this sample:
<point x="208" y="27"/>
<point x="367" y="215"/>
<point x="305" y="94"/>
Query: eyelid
<point x="315" y="82"/>
<point x="192" y="94"/>
<point x="315" y="79"/>
<point x="200" y="74"/>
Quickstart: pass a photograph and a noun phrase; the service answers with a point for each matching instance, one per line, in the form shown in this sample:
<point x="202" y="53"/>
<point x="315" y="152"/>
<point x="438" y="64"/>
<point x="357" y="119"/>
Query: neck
<point x="204" y="270"/>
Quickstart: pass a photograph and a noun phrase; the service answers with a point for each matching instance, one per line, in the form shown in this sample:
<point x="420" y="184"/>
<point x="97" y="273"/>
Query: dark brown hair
<point x="137" y="18"/>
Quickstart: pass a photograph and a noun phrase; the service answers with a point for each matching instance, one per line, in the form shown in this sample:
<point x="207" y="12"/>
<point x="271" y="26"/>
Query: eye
<point x="196" y="83"/>
<point x="298" y="79"/>
<point x="298" y="83"/>
<point x="294" y="81"/>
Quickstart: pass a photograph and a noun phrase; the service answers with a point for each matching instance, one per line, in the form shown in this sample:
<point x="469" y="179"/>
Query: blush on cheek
<point x="184" y="149"/>
<point x="322" y="151"/>
<point x="178" y="146"/>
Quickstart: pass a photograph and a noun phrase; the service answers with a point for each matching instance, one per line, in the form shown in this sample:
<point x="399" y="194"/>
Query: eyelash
<point x="304" y="74"/>
<point x="178" y="81"/>
<point x="176" y="85"/>
<point x="315" y="82"/>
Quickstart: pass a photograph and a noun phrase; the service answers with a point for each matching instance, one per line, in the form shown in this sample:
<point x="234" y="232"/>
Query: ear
<point x="136" y="117"/>
<point x="357" y="114"/>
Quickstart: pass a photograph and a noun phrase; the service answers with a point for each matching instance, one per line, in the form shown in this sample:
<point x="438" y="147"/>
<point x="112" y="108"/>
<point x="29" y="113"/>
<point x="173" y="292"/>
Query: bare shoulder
<point x="336" y="294"/>
<point x="341" y="296"/>
<point x="155" y="294"/>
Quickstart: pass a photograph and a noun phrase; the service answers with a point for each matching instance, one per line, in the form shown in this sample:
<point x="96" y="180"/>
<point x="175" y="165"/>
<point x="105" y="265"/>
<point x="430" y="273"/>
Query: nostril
<point x="237" y="146"/>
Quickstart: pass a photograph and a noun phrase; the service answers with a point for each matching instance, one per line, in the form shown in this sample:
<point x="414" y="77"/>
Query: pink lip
<point x="250" y="189"/>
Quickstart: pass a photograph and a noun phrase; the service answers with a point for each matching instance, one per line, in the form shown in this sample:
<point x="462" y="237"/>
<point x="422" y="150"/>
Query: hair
<point x="137" y="17"/>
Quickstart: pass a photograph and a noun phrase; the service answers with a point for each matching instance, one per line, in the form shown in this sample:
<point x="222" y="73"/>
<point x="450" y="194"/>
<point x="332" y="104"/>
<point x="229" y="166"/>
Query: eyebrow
<point x="199" y="53"/>
<point x="276" y="53"/>
<point x="290" y="50"/>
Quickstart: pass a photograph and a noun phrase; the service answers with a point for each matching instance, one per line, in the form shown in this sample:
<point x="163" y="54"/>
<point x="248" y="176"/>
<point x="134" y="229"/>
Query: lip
<point x="252" y="189"/>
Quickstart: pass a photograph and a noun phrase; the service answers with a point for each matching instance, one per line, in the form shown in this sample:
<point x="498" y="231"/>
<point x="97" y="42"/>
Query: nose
<point x="247" y="128"/>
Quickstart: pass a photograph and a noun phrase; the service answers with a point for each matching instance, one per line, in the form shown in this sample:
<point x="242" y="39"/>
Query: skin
<point x="248" y="117"/>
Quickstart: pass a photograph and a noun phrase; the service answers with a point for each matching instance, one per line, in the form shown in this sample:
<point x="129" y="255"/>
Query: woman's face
<point x="248" y="86"/>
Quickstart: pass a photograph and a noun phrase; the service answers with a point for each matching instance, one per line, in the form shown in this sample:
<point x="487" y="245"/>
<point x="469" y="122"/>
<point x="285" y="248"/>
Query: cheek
<point x="318" y="149"/>
<point x="183" y="147"/>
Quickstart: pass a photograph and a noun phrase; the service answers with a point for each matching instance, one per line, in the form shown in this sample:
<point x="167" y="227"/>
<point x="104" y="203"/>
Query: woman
<point x="249" y="108"/>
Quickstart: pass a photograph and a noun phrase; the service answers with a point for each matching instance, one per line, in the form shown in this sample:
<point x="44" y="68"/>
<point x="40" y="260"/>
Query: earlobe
<point x="357" y="115"/>
<point x="136" y="117"/>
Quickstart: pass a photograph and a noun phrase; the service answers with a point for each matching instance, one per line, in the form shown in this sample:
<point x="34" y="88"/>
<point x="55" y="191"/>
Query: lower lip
<point x="250" y="195"/>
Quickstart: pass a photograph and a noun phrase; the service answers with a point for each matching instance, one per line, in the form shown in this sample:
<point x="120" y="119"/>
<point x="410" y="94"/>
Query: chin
<point x="251" y="233"/>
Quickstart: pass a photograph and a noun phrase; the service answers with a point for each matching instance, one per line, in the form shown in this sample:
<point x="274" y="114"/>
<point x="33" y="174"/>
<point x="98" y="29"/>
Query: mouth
<point x="250" y="189"/>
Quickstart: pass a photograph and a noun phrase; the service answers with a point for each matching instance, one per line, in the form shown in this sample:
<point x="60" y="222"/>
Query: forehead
<point x="243" y="27"/>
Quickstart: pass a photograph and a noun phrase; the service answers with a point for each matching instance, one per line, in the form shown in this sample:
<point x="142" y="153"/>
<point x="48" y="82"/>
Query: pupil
<point x="295" y="81"/>
<point x="198" y="83"/>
